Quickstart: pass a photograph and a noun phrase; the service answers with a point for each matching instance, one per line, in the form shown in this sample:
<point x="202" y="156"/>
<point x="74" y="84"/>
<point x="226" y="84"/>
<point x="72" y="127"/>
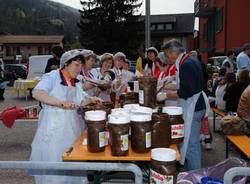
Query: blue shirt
<point x="243" y="62"/>
<point x="191" y="81"/>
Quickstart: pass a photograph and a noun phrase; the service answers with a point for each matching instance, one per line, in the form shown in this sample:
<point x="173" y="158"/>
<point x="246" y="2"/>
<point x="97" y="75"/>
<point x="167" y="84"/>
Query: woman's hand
<point x="66" y="105"/>
<point x="91" y="100"/>
<point x="170" y="86"/>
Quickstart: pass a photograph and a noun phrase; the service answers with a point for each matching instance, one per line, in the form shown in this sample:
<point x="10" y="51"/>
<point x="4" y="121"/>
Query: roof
<point x="183" y="23"/>
<point x="31" y="38"/>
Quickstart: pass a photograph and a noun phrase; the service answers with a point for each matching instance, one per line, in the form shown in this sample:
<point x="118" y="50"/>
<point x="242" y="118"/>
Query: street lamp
<point x="147" y="25"/>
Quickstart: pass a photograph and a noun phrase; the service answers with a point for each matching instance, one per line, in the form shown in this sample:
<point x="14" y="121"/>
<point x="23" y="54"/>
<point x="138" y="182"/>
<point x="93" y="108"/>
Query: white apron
<point x="57" y="130"/>
<point x="188" y="106"/>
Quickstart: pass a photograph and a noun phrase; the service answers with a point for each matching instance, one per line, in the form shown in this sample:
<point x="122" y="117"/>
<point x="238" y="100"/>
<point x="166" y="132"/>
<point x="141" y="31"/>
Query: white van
<point x="37" y="65"/>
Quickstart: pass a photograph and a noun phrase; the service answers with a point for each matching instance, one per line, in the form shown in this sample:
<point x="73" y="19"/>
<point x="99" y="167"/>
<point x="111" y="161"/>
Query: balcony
<point x="204" y="8"/>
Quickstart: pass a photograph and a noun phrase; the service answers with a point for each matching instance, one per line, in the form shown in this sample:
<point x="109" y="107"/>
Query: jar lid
<point x="139" y="117"/>
<point x="119" y="118"/>
<point x="163" y="154"/>
<point x="155" y="110"/>
<point x="95" y="115"/>
<point x="172" y="110"/>
<point x="130" y="107"/>
<point x="142" y="110"/>
<point x="119" y="110"/>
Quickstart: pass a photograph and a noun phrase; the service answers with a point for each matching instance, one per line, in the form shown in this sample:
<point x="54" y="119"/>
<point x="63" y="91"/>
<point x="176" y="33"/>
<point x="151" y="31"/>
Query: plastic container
<point x="147" y="91"/>
<point x="161" y="131"/>
<point x="119" y="124"/>
<point x="177" y="123"/>
<point x="163" y="161"/>
<point x="96" y="133"/>
<point x="141" y="132"/>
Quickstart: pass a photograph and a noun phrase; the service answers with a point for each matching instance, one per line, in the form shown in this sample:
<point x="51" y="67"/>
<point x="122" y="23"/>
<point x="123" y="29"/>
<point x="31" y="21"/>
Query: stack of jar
<point x="149" y="129"/>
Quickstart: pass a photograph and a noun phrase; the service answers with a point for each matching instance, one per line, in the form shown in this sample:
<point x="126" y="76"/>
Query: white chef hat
<point x="68" y="56"/>
<point x="120" y="55"/>
<point x="86" y="53"/>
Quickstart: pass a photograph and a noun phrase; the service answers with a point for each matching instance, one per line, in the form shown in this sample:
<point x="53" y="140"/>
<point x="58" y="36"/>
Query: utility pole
<point x="147" y="25"/>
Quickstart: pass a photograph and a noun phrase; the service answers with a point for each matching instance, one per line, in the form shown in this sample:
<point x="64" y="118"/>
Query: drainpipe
<point x="225" y="28"/>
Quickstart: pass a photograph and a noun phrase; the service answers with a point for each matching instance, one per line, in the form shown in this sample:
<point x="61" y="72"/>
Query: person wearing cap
<point x="87" y="71"/>
<point x="167" y="75"/>
<point x="119" y="58"/>
<point x="128" y="75"/>
<point x="149" y="64"/>
<point x="243" y="60"/>
<point x="59" y="124"/>
<point x="106" y="64"/>
<point x="191" y="97"/>
<point x="228" y="63"/>
<point x="54" y="63"/>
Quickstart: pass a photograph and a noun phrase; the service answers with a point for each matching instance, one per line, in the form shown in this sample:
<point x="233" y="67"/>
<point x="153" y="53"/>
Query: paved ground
<point x="15" y="144"/>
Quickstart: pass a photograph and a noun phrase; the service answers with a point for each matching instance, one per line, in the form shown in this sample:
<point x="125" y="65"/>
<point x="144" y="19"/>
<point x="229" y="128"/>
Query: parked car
<point x="214" y="65"/>
<point x="15" y="71"/>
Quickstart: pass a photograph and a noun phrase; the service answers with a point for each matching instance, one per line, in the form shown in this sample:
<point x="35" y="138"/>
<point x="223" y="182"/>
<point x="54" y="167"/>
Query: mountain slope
<point x="38" y="17"/>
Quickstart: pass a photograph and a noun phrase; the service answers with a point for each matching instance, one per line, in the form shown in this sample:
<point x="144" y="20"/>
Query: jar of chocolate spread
<point x="119" y="123"/>
<point x="96" y="133"/>
<point x="147" y="91"/>
<point x="129" y="98"/>
<point x="163" y="162"/>
<point x="141" y="132"/>
<point x="176" y="121"/>
<point x="161" y="131"/>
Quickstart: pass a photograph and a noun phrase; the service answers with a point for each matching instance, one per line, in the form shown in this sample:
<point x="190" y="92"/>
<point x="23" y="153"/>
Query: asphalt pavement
<point x="15" y="143"/>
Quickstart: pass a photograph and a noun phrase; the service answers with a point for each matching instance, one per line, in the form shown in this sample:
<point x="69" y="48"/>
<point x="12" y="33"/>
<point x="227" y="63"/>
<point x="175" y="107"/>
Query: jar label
<point x="136" y="86"/>
<point x="156" y="178"/>
<point x="177" y="131"/>
<point x="124" y="140"/>
<point x="102" y="139"/>
<point x="148" y="139"/>
<point x="106" y="138"/>
<point x="141" y="97"/>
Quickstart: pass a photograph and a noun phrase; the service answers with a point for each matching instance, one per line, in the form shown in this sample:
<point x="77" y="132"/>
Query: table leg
<point x="227" y="147"/>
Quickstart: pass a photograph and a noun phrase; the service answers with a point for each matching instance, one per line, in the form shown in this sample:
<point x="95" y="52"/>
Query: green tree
<point x="110" y="26"/>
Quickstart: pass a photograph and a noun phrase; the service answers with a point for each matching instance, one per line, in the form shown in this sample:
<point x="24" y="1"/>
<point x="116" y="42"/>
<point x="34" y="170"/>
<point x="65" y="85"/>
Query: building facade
<point x="165" y="27"/>
<point x="18" y="48"/>
<point x="223" y="26"/>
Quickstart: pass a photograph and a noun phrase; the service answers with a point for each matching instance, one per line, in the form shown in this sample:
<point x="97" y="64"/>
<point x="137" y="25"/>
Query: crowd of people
<point x="228" y="86"/>
<point x="71" y="80"/>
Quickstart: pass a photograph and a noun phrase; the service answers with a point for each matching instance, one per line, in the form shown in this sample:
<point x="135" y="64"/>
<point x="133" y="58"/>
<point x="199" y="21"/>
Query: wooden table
<point x="241" y="142"/>
<point x="79" y="152"/>
<point x="24" y="86"/>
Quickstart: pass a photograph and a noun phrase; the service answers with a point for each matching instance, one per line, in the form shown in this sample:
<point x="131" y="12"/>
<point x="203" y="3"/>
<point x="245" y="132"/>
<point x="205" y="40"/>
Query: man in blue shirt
<point x="191" y="98"/>
<point x="243" y="60"/>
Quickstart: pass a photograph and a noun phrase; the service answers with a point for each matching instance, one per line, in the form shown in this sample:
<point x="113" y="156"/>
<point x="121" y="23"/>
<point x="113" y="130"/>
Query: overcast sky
<point x="157" y="6"/>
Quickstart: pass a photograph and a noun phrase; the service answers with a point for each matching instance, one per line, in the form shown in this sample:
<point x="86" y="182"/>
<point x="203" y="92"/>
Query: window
<point x="219" y="20"/>
<point x="160" y="27"/>
<point x="169" y="26"/>
<point x="205" y="33"/>
<point x="18" y="51"/>
<point x="153" y="27"/>
<point x="8" y="51"/>
<point x="40" y="50"/>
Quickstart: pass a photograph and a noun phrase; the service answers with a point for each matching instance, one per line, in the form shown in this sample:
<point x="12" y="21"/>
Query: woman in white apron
<point x="59" y="124"/>
<point x="190" y="148"/>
